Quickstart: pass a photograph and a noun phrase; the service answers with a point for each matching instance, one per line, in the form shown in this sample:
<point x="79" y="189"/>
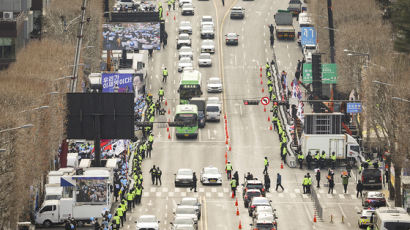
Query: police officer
<point x="300" y="159"/>
<point x="120" y="214"/>
<point x="229" y="169"/>
<point x="161" y="94"/>
<point x="173" y="4"/>
<point x="266" y="164"/>
<point x="169" y="5"/>
<point x="267" y="66"/>
<point x="138" y="193"/>
<point x="270" y="90"/>
<point x="318" y="178"/>
<point x="323" y="159"/>
<point x="308" y="159"/>
<point x="116" y="221"/>
<point x="317" y="158"/>
<point x="153" y="172"/>
<point x="305" y="183"/>
<point x="233" y="186"/>
<point x="164" y="74"/>
<point x="309" y="183"/>
<point x="333" y="158"/>
<point x="130" y="199"/>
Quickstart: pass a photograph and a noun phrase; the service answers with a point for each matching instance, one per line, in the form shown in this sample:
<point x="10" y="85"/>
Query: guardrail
<point x="315" y="199"/>
<point x="291" y="156"/>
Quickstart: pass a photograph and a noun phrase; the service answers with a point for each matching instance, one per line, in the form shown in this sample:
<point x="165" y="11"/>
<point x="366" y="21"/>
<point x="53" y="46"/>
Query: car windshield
<point x="204" y="56"/>
<point x="187" y="5"/>
<point x="211" y="171"/>
<point x="214" y="81"/>
<point x="183" y="221"/>
<point x="257" y="186"/>
<point x="206" y="19"/>
<point x="212" y="109"/>
<point x="264" y="226"/>
<point x="231" y="36"/>
<point x="207" y="27"/>
<point x="184" y="172"/>
<point x="208" y="43"/>
<point x="185" y="210"/>
<point x="185" y="23"/>
<point x="236" y="8"/>
<point x="184" y="37"/>
<point x="375" y="195"/>
<point x="253" y="193"/>
<point x="145" y="219"/>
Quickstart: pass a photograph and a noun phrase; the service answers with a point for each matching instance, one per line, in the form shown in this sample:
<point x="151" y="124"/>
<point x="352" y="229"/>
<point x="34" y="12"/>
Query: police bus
<point x="189" y="86"/>
<point x="391" y="219"/>
<point x="188" y="114"/>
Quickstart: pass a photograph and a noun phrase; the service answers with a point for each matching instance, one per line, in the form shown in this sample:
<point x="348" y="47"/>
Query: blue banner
<point x="354" y="107"/>
<point x="117" y="82"/>
<point x="308" y="36"/>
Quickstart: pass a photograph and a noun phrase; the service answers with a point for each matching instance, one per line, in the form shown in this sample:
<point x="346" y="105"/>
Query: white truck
<point x="57" y="211"/>
<point x="344" y="145"/>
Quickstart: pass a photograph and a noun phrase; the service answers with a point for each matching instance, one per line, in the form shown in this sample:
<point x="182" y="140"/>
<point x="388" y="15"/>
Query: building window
<point x="6" y="52"/>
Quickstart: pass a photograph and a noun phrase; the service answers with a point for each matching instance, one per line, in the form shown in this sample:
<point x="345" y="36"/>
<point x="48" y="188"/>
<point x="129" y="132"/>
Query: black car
<point x="253" y="184"/>
<point x="200" y="103"/>
<point x="231" y="39"/>
<point x="250" y="193"/>
<point x="372" y="177"/>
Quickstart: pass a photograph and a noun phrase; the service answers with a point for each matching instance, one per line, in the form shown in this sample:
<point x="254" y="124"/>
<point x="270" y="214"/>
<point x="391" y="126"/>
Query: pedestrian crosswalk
<point x="221" y="192"/>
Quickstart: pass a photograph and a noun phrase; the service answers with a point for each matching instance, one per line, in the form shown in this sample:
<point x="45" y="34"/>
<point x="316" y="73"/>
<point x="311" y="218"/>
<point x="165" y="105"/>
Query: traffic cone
<point x="226" y="122"/>
<point x="166" y="103"/>
<point x="260" y="68"/>
<point x="281" y="165"/>
<point x="260" y="75"/>
<point x="230" y="148"/>
<point x="169" y="135"/>
<point x="169" y="111"/>
<point x="270" y="127"/>
<point x="226" y="161"/>
<point x="237" y="210"/>
<point x="264" y="109"/>
<point x="236" y="202"/>
<point x="261" y="82"/>
<point x="240" y="225"/>
<point x="174" y="18"/>
<point x="227" y="136"/>
<point x="233" y="195"/>
<point x="167" y="13"/>
<point x="268" y="118"/>
<point x="226" y="141"/>
<point x="314" y="218"/>
<point x="167" y="129"/>
<point x="226" y="155"/>
<point x="225" y="116"/>
<point x="263" y="90"/>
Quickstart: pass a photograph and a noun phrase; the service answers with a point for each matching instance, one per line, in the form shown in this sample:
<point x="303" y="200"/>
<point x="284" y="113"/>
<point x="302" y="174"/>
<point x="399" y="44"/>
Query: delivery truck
<point x="57" y="211"/>
<point x="284" y="25"/>
<point x="344" y="145"/>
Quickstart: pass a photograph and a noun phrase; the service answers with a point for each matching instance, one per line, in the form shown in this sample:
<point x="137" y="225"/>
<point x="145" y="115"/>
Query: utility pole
<point x="332" y="43"/>
<point x="78" y="49"/>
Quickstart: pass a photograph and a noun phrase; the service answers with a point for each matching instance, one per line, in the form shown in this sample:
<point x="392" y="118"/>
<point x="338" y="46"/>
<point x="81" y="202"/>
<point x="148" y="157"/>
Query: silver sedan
<point x="214" y="85"/>
<point x="208" y="46"/>
<point x="185" y="27"/>
<point x="204" y="59"/>
<point x="185" y="52"/>
<point x="184" y="63"/>
<point x="211" y="175"/>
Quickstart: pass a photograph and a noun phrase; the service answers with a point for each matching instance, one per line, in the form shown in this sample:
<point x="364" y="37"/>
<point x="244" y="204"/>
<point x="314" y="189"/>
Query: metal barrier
<point x="318" y="207"/>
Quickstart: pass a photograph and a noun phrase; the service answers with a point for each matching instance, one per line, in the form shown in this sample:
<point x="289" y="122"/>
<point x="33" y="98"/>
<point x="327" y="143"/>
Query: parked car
<point x="208" y="46"/>
<point x="182" y="2"/>
<point x="207" y="20"/>
<point x="211" y="175"/>
<point x="263" y="209"/>
<point x="214" y="85"/>
<point x="184" y="177"/>
<point x="249" y="194"/>
<point x="185" y="52"/>
<point x="183" y="40"/>
<point x="187" y="211"/>
<point x="372" y="177"/>
<point x="184" y="63"/>
<point x="185" y="27"/>
<point x="373" y="199"/>
<point x="204" y="59"/>
<point x="232" y="39"/>
<point x="192" y="201"/>
<point x="187" y="9"/>
<point x="265" y="221"/>
<point x="147" y="222"/>
<point x="257" y="201"/>
<point x="237" y="12"/>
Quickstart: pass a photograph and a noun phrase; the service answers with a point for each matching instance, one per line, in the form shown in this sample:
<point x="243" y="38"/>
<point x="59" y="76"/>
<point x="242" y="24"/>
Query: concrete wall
<point x="15" y="5"/>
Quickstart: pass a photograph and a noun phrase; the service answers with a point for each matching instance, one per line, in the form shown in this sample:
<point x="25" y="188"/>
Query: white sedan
<point x="184" y="63"/>
<point x="185" y="27"/>
<point x="211" y="175"/>
<point x="185" y="51"/>
<point x="147" y="222"/>
<point x="208" y="46"/>
<point x="205" y="59"/>
<point x="214" y="85"/>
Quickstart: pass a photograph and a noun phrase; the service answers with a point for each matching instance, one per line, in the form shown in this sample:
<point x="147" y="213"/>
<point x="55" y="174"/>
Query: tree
<point x="401" y="24"/>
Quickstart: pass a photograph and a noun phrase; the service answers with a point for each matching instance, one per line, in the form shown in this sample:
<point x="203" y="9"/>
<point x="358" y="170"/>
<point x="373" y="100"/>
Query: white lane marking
<point x="307" y="212"/>
<point x="170" y="194"/>
<point x="158" y="194"/>
<point x="165" y="189"/>
<point x="152" y="189"/>
<point x="209" y="134"/>
<point x="213" y="190"/>
<point x="341" y="196"/>
<point x="201" y="190"/>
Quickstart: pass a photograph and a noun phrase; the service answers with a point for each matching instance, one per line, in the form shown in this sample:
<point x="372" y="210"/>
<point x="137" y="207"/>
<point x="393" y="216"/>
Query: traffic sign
<point x="265" y="100"/>
<point x="308" y="36"/>
<point x="329" y="73"/>
<point x="354" y="107"/>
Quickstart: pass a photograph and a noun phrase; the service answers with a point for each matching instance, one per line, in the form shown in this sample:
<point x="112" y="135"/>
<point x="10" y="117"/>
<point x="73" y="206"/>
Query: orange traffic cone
<point x="167" y="129"/>
<point x="226" y="161"/>
<point x="233" y="195"/>
<point x="174" y="18"/>
<point x="260" y="69"/>
<point x="260" y="75"/>
<point x="268" y="118"/>
<point x="270" y="127"/>
<point x="237" y="210"/>
<point x="230" y="148"/>
<point x="226" y="141"/>
<point x="169" y="111"/>
<point x="314" y="218"/>
<point x="166" y="103"/>
<point x="263" y="90"/>
<point x="169" y="136"/>
<point x="236" y="202"/>
<point x="225" y="116"/>
<point x="281" y="165"/>
<point x="240" y="225"/>
<point x="226" y="155"/>
<point x="261" y="82"/>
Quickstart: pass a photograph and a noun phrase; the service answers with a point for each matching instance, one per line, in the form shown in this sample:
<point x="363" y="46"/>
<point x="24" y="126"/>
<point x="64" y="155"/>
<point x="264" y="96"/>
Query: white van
<point x="213" y="112"/>
<point x="53" y="192"/>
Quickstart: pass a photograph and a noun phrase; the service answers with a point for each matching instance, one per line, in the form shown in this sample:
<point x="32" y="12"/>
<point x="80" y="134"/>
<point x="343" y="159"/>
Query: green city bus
<point x="189" y="86"/>
<point x="187" y="113"/>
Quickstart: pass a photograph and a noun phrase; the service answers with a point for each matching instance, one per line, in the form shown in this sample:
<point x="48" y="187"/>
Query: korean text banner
<point x="129" y="36"/>
<point x="91" y="190"/>
<point x="117" y="82"/>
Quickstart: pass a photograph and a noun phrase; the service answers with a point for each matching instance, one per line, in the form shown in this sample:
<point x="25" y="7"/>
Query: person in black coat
<point x="308" y="160"/>
<point x="318" y="178"/>
<point x="267" y="182"/>
<point x="359" y="188"/>
<point x="271" y="29"/>
<point x="194" y="180"/>
<point x="236" y="176"/>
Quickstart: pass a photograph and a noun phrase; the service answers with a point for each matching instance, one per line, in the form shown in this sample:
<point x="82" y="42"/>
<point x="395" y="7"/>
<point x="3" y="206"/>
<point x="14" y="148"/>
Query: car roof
<point x="185" y="59"/>
<point x="237" y="8"/>
<point x="184" y="35"/>
<point x="253" y="190"/>
<point x="206" y="54"/>
<point x="258" y="198"/>
<point x="185" y="169"/>
<point x="214" y="78"/>
<point x="375" y="195"/>
<point x="189" y="198"/>
<point x="254" y="182"/>
<point x="231" y="34"/>
<point x="185" y="48"/>
<point x="207" y="17"/>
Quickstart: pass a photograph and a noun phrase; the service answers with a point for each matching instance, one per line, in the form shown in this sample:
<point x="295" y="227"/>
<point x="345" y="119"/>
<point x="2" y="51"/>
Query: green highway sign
<point x="307" y="74"/>
<point x="329" y="73"/>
